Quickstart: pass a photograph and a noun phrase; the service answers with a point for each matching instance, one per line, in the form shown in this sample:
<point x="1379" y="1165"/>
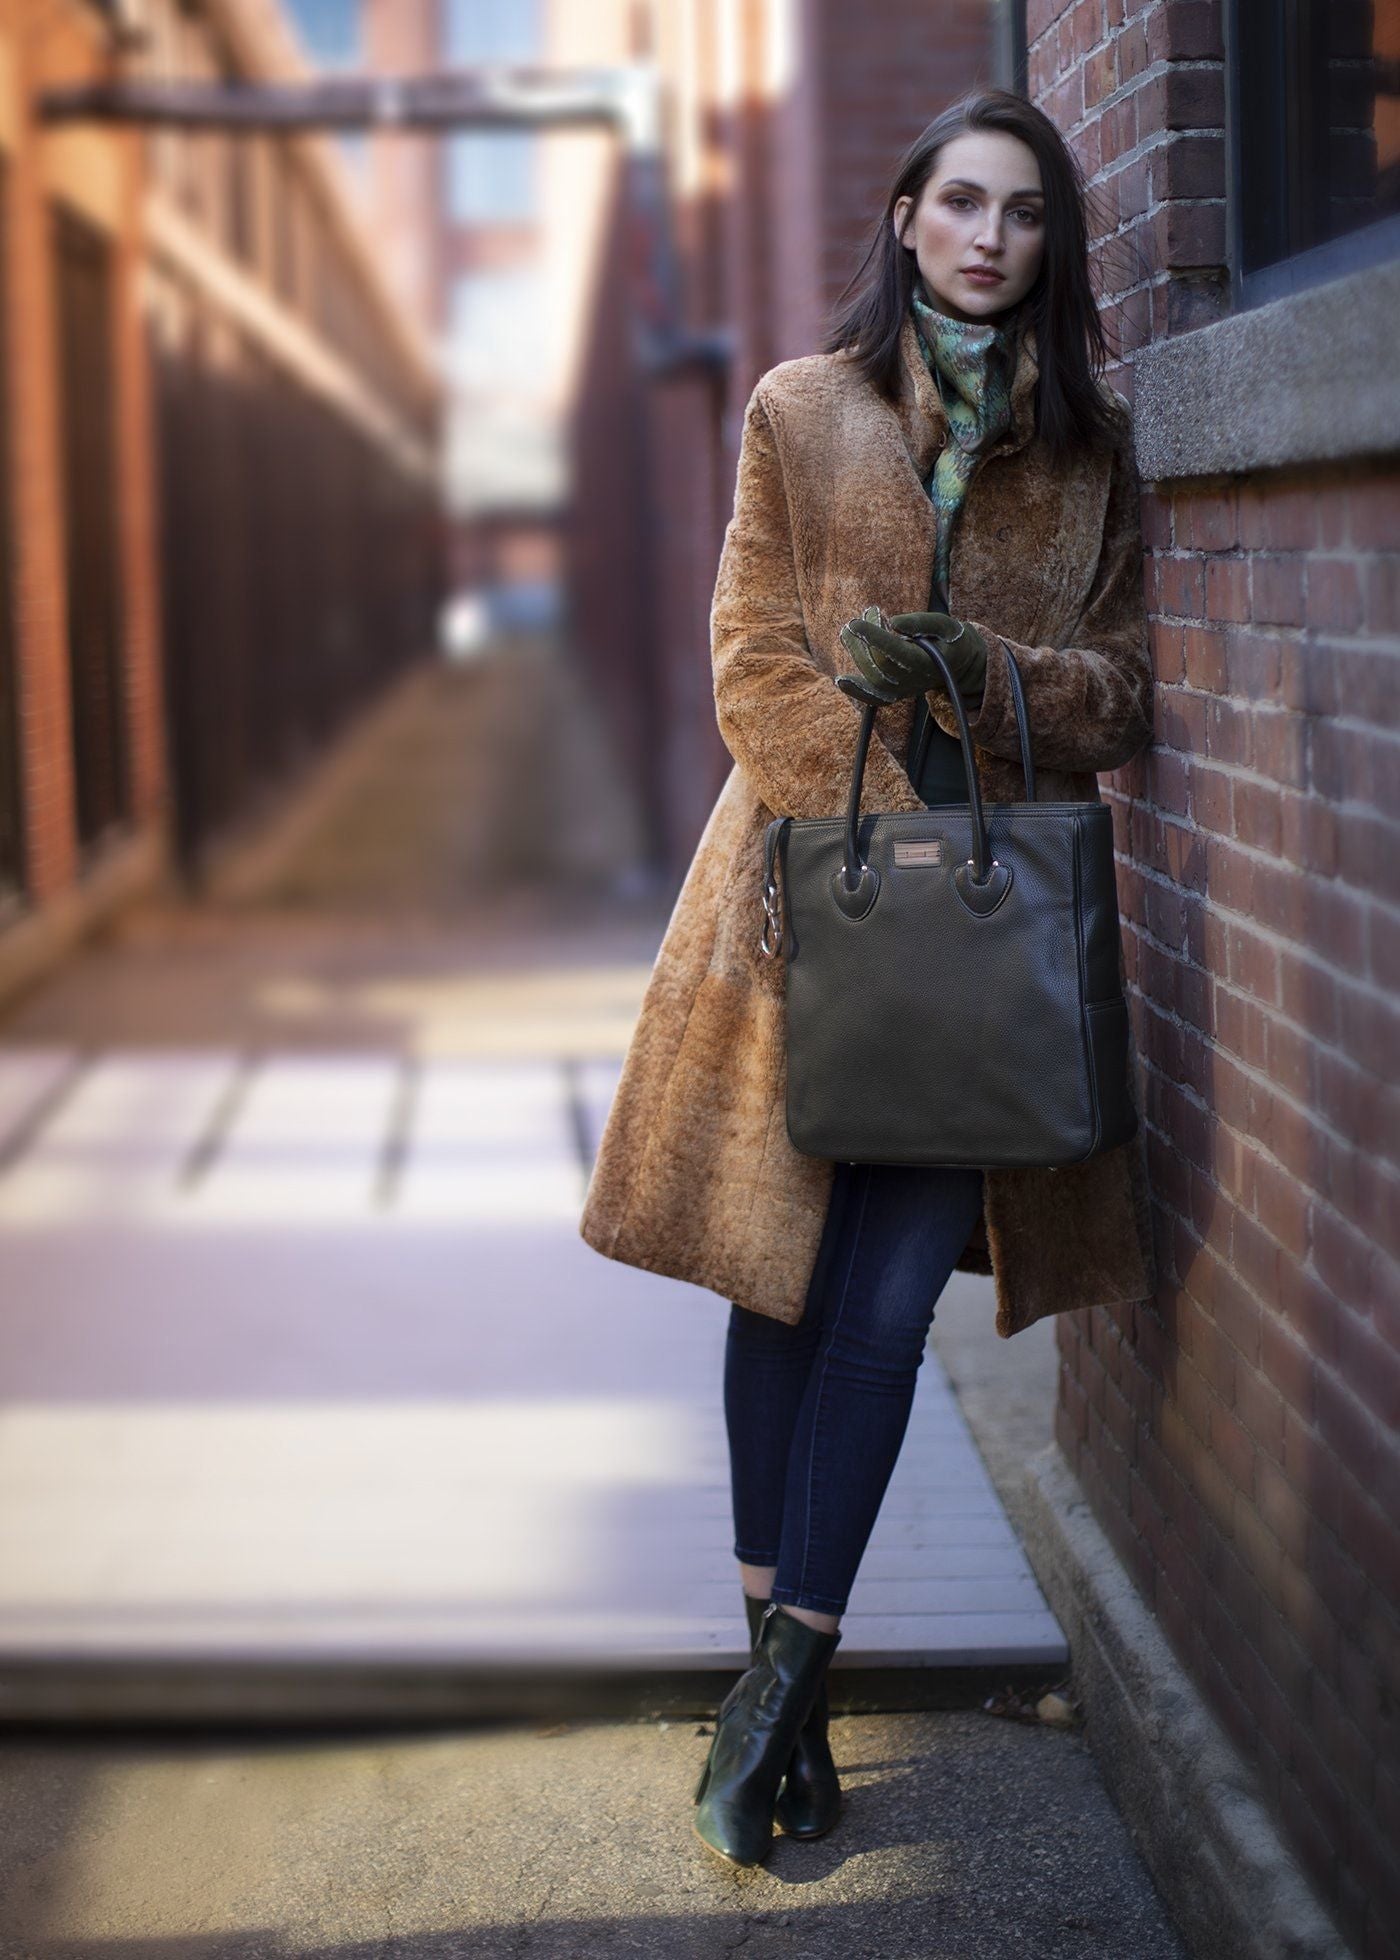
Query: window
<point x="1313" y="141"/>
<point x="500" y="327"/>
<point x="491" y="30"/>
<point x="329" y="29"/>
<point x="83" y="282"/>
<point x="491" y="176"/>
<point x="491" y="172"/>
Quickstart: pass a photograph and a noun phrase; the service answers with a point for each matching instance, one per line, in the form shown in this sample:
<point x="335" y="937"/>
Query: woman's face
<point x="981" y="205"/>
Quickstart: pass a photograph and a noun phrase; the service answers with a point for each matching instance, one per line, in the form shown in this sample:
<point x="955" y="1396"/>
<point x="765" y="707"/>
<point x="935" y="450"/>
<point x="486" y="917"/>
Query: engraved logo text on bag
<point x="910" y="853"/>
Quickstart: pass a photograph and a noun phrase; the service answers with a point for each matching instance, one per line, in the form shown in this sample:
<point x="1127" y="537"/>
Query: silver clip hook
<point x="772" y="920"/>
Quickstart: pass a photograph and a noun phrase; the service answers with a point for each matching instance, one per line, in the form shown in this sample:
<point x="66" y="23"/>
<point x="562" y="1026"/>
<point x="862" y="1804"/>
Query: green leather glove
<point x="892" y="666"/>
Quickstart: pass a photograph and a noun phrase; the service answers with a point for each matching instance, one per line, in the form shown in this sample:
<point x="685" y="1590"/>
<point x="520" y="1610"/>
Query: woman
<point x="951" y="446"/>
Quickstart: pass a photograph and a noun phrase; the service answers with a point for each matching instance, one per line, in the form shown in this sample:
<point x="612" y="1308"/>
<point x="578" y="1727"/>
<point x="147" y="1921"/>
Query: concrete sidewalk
<point x="963" y="1838"/>
<point x="301" y="1341"/>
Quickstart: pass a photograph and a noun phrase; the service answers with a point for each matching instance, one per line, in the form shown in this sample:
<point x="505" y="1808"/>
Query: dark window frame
<point x="1265" y="200"/>
<point x="83" y="265"/>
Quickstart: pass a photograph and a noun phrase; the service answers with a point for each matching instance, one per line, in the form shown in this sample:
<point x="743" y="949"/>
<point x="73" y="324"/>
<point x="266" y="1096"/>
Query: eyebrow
<point x="968" y="184"/>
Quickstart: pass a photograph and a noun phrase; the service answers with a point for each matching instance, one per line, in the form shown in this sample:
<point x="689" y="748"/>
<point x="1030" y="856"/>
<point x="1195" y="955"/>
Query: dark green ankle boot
<point x="755" y="1730"/>
<point x="809" y="1798"/>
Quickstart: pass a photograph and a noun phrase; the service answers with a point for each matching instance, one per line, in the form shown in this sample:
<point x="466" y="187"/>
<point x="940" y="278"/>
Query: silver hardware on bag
<point x="772" y="920"/>
<point x="771" y="937"/>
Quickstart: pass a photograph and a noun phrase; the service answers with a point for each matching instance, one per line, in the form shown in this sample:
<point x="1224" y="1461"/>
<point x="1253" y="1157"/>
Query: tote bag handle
<point x="916" y="764"/>
<point x="938" y="602"/>
<point x="858" y="882"/>
<point x="854" y="886"/>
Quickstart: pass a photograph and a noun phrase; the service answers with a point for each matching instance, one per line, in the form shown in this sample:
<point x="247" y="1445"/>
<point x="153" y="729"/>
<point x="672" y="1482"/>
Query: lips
<point x="984" y="273"/>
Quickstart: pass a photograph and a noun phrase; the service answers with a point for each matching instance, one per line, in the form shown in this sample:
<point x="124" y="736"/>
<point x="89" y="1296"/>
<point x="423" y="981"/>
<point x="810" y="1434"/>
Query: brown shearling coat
<point x="695" y="1175"/>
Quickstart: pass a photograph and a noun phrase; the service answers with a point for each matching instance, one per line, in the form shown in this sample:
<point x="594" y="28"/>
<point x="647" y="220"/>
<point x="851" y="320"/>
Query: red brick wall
<point x="1239" y="1436"/>
<point x="884" y="69"/>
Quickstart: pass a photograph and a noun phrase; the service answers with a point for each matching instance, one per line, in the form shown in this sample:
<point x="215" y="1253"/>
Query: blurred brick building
<point x="82" y="761"/>
<point x="782" y="119"/>
<point x="220" y="438"/>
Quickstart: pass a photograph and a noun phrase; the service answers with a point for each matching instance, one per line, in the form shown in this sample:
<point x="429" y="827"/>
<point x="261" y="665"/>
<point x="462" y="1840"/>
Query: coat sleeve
<point x="1089" y="704"/>
<point x="786" y="723"/>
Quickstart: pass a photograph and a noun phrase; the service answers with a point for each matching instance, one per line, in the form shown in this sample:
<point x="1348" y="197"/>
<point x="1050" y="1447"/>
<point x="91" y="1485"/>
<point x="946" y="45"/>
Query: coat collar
<point x="920" y="411"/>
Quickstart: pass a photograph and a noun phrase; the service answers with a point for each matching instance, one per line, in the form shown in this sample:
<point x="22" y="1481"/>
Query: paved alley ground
<point x="965" y="1838"/>
<point x="306" y="1361"/>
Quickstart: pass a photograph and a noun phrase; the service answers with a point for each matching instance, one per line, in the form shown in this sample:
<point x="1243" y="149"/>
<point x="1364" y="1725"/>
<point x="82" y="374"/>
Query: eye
<point x="1023" y="210"/>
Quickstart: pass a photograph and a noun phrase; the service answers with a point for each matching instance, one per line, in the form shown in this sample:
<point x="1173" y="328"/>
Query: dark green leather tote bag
<point x="953" y="986"/>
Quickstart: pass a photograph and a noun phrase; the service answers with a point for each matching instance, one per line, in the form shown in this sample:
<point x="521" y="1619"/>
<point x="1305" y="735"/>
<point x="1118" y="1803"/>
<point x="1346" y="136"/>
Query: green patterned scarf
<point x="973" y="361"/>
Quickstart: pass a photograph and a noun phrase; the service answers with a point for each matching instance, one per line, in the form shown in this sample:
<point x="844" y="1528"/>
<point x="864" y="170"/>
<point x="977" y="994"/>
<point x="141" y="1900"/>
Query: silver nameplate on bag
<point x="931" y="853"/>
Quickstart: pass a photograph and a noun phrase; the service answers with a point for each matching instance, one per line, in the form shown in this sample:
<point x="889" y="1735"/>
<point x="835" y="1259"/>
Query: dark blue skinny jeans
<point x="816" y="1412"/>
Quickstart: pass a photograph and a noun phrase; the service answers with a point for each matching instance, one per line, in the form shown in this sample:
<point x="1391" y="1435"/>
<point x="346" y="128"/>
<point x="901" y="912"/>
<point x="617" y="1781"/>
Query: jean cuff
<point x="814" y="1602"/>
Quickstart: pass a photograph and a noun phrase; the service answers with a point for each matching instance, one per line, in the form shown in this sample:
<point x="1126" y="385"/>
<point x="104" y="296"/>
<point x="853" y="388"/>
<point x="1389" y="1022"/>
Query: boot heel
<point x="757" y="1725"/>
<point x="809" y="1796"/>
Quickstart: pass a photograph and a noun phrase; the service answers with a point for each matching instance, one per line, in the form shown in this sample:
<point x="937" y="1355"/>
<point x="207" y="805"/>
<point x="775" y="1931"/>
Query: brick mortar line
<point x="1263" y="708"/>
<point x="1254" y="1143"/>
<point x="1241" y="554"/>
<point x="1154" y="71"/>
<point x="1349" y="724"/>
<point x="1162" y="880"/>
<point x="1253" y="778"/>
<point x="1248" y="772"/>
<point x="1155" y="140"/>
<point x="1324" y="639"/>
<point x="1364" y="987"/>
<point x="1247" y="1068"/>
<point x="1306" y="1264"/>
<point x="1144" y="147"/>
<point x="1247" y="1571"/>
<point x="1277" y="1013"/>
<point x="1308" y="1422"/>
<point x="1275" y="1463"/>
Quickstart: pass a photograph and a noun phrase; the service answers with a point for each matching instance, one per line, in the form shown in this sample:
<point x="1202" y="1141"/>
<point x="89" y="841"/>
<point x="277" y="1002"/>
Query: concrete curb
<point x="321" y="1692"/>
<point x="1190" y="1801"/>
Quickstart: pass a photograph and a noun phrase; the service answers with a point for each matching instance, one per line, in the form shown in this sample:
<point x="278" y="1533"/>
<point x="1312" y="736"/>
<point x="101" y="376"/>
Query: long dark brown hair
<point x="1073" y="409"/>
